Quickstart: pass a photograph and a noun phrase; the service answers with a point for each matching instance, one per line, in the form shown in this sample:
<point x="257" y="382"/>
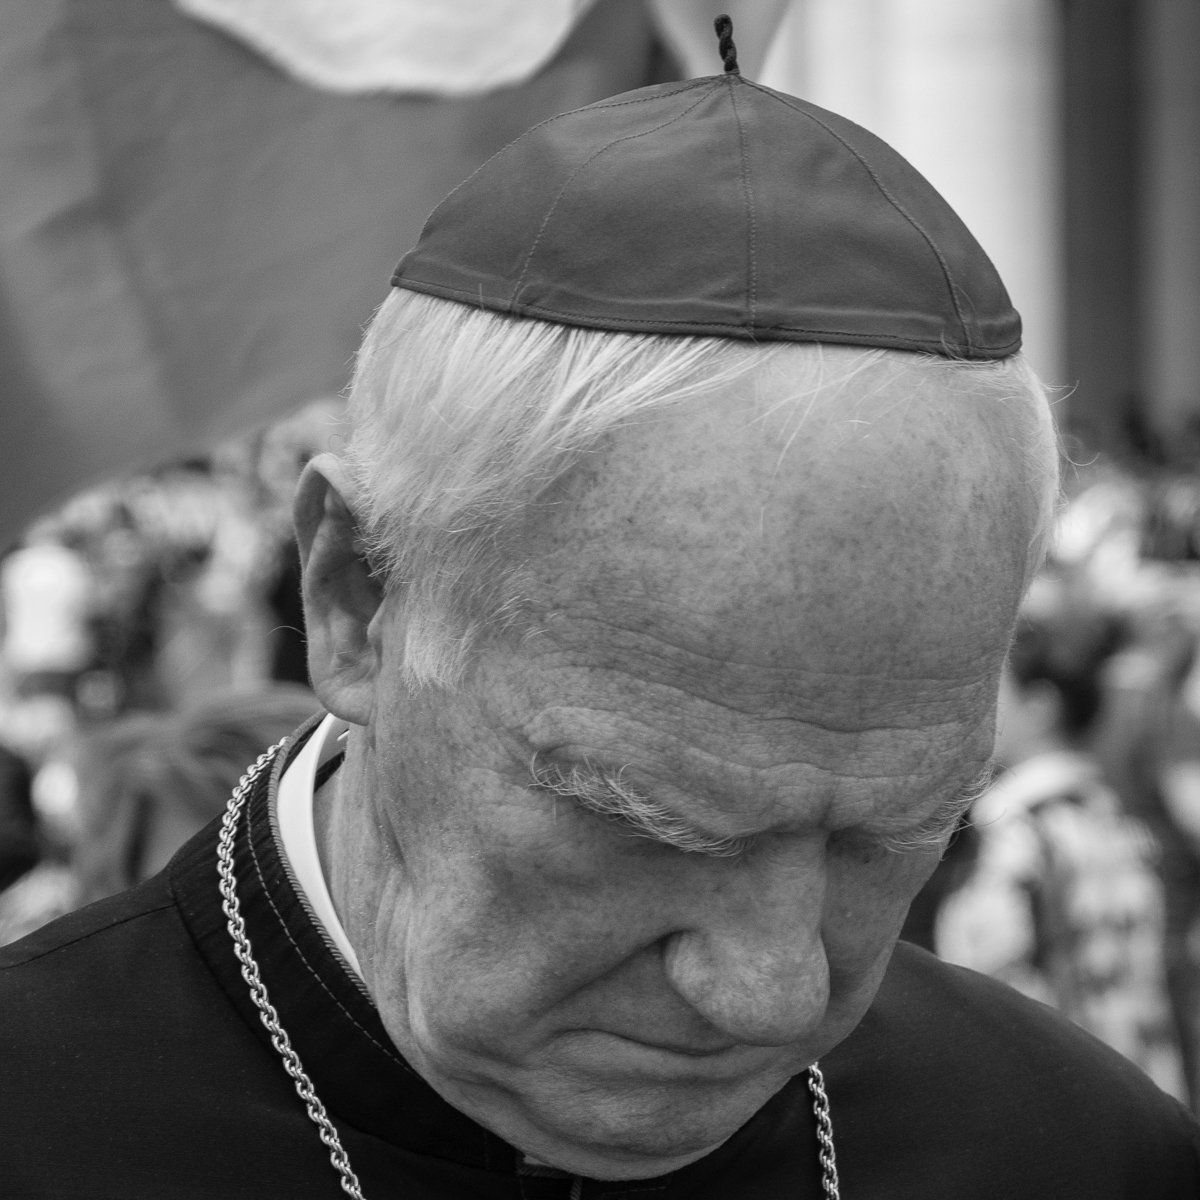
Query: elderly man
<point x="658" y="596"/>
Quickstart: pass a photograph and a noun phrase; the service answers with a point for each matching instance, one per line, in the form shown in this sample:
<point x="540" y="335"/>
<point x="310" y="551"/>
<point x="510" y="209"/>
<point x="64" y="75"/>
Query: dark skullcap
<point x="716" y="206"/>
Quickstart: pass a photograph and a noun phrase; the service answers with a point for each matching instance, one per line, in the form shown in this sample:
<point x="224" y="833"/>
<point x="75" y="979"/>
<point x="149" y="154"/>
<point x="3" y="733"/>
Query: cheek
<point x="507" y="906"/>
<point x="866" y="903"/>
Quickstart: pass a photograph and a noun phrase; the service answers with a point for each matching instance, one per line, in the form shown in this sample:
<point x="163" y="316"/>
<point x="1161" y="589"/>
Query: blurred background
<point x="201" y="202"/>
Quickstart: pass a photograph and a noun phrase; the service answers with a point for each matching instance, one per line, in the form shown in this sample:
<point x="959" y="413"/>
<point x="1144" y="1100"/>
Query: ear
<point x="340" y="596"/>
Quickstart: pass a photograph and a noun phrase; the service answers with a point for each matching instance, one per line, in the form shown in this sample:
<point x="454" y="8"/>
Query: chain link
<point x="258" y="991"/>
<point x="829" y="1175"/>
<point x="291" y="1060"/>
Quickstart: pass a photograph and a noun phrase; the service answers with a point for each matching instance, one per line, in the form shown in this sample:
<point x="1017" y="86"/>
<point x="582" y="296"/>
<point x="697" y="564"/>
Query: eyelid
<point x="931" y="833"/>
<point x="608" y="795"/>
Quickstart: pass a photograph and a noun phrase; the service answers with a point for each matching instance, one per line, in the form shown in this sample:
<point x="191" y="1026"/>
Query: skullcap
<point x="720" y="207"/>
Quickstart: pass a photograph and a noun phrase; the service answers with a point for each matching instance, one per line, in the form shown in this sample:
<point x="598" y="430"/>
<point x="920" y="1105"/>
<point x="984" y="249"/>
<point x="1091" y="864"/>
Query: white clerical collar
<point x="298" y="835"/>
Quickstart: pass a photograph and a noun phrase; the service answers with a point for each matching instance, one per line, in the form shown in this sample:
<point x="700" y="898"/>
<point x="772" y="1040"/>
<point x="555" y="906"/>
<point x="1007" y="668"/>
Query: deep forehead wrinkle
<point x="693" y="670"/>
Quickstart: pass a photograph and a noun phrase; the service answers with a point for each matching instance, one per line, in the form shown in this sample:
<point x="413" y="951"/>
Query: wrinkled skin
<point x="793" y="641"/>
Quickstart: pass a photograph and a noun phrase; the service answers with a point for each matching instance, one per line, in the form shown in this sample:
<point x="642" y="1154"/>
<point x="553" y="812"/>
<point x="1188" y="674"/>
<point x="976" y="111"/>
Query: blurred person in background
<point x="1148" y="736"/>
<point x="149" y="781"/>
<point x="18" y="829"/>
<point x="46" y="590"/>
<point x="143" y="784"/>
<point x="1130" y="537"/>
<point x="1064" y="901"/>
<point x="1176" y="782"/>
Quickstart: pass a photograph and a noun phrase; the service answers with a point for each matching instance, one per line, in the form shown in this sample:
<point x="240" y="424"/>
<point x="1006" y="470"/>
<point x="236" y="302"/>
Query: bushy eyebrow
<point x="608" y="794"/>
<point x="932" y="832"/>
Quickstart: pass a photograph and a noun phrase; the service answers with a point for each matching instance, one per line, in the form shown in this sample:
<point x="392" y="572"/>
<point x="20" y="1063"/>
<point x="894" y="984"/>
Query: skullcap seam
<point x="951" y="287"/>
<point x="687" y="87"/>
<point x="751" y="225"/>
<point x="583" y="166"/>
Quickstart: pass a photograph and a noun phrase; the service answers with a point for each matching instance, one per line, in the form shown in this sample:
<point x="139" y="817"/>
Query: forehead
<point x="747" y="732"/>
<point x="777" y="592"/>
<point x="859" y="521"/>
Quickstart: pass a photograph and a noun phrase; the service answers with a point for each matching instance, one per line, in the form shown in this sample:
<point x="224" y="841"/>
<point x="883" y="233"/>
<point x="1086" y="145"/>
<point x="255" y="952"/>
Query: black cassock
<point x="134" y="1064"/>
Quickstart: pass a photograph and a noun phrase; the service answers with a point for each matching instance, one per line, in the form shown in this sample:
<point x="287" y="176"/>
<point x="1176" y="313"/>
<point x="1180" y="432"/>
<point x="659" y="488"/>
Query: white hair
<point x="461" y="418"/>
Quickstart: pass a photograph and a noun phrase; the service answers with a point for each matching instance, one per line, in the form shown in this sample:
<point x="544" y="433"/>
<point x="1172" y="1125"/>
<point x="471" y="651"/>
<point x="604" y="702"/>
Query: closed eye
<point x="609" y="795"/>
<point x="932" y="833"/>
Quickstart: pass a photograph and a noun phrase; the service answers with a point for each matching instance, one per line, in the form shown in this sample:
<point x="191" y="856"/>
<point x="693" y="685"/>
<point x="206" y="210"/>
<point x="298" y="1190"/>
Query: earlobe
<point x="341" y="597"/>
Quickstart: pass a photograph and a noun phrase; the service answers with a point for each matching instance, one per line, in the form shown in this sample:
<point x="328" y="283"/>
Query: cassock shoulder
<point x="128" y="952"/>
<point x="957" y="1076"/>
<point x="124" y="1067"/>
<point x="80" y="928"/>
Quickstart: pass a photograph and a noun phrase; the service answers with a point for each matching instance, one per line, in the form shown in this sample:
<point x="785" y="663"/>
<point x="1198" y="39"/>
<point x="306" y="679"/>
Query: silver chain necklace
<point x="291" y="1060"/>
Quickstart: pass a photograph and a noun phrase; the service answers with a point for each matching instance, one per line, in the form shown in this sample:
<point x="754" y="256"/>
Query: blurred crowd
<point x="1075" y="876"/>
<point x="153" y="646"/>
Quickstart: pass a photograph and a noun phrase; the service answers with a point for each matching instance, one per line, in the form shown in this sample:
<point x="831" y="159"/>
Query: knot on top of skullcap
<point x="724" y="27"/>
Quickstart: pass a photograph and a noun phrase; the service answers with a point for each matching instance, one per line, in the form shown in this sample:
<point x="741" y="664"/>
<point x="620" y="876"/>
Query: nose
<point x="750" y="960"/>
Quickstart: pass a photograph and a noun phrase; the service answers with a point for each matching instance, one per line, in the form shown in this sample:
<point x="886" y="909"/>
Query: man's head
<point x="670" y="661"/>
